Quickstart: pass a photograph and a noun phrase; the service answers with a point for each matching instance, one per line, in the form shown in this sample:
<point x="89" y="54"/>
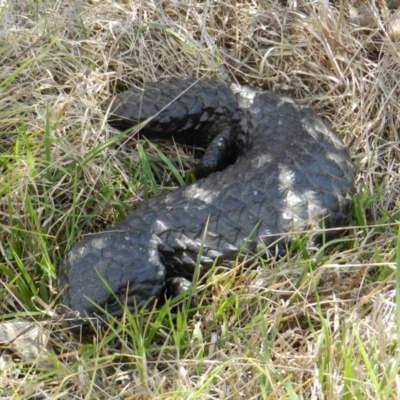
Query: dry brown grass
<point x="280" y="333"/>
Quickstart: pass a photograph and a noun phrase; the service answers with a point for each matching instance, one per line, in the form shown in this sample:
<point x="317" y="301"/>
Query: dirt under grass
<point x="319" y="324"/>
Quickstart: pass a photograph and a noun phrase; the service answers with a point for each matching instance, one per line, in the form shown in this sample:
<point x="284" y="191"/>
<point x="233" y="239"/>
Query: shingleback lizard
<point x="271" y="167"/>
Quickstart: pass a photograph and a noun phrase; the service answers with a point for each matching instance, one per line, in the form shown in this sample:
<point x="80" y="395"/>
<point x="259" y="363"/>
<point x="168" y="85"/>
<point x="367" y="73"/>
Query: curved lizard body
<point x="271" y="167"/>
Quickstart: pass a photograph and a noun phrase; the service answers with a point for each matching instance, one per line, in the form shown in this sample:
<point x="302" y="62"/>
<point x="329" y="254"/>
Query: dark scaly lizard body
<point x="271" y="166"/>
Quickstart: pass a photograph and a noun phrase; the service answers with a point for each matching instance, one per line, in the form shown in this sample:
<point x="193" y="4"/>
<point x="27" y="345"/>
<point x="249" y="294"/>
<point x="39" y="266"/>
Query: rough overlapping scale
<point x="182" y="109"/>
